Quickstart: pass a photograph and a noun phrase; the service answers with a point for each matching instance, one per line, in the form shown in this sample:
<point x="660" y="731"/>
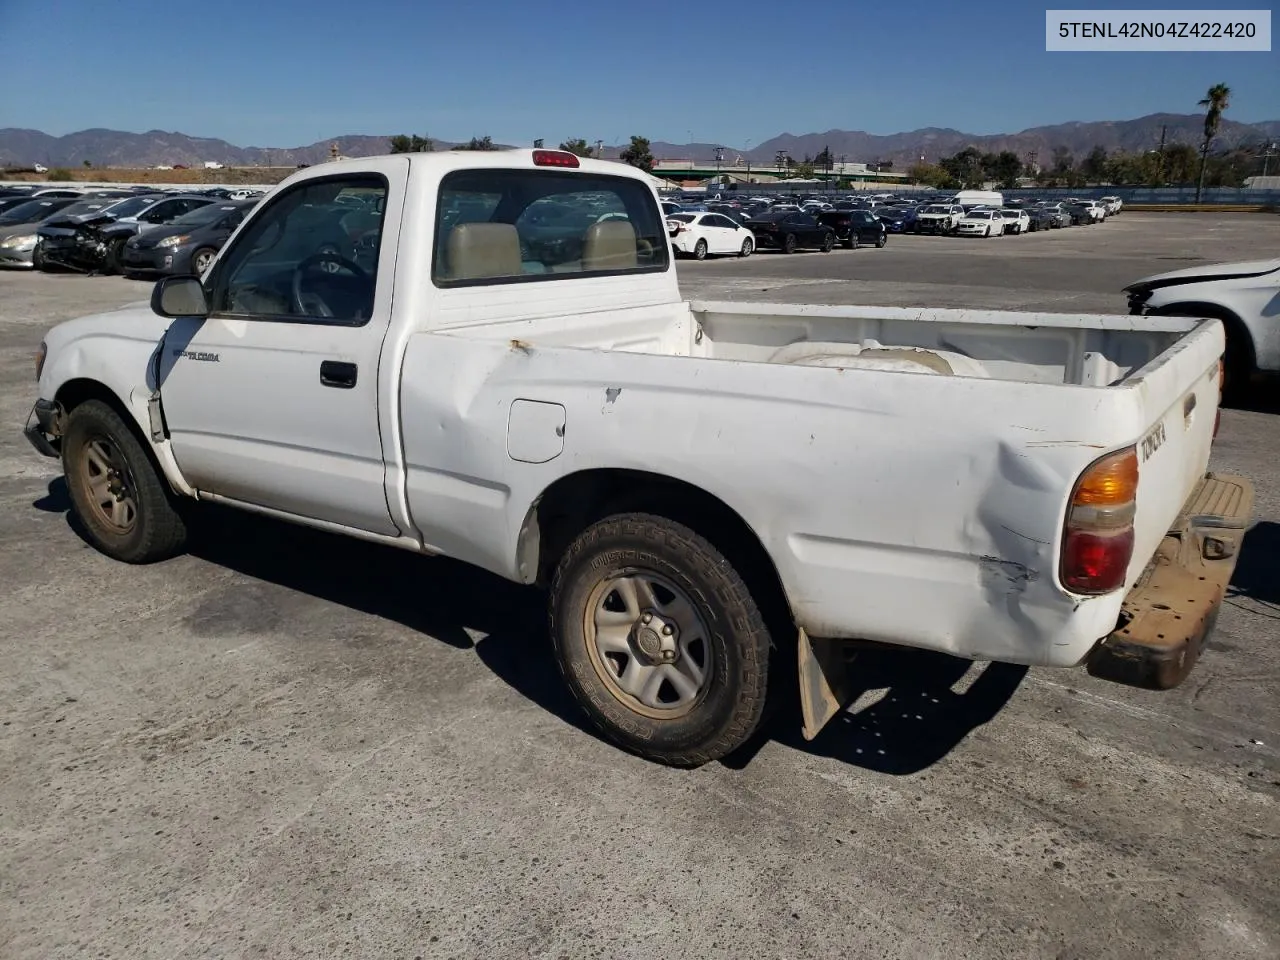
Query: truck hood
<point x="1216" y="271"/>
<point x="133" y="321"/>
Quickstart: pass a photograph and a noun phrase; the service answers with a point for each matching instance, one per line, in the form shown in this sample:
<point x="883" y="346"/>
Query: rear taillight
<point x="1098" y="536"/>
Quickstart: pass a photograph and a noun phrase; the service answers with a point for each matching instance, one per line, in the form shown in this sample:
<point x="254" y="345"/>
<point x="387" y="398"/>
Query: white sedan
<point x="981" y="223"/>
<point x="1015" y="221"/>
<point x="700" y="234"/>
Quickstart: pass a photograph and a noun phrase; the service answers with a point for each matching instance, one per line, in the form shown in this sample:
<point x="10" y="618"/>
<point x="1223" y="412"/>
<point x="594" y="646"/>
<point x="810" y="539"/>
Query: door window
<point x="311" y="255"/>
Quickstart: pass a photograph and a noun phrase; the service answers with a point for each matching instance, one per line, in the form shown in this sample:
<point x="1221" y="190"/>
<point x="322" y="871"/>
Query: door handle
<point x="338" y="373"/>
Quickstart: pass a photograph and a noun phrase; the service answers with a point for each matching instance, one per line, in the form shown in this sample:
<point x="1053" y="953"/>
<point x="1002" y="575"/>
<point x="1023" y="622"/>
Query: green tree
<point x="1004" y="167"/>
<point x="931" y="174"/>
<point x="1215" y="103"/>
<point x="638" y="154"/>
<point x="804" y="169"/>
<point x="965" y="167"/>
<point x="402" y="143"/>
<point x="477" y="143"/>
<point x="1179" y="163"/>
<point x="1094" y="166"/>
<point x="578" y="148"/>
<point x="87" y="164"/>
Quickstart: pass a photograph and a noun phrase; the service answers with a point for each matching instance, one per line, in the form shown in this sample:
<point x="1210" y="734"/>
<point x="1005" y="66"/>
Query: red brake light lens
<point x="1094" y="562"/>
<point x="554" y="158"/>
<point x="1098" y="534"/>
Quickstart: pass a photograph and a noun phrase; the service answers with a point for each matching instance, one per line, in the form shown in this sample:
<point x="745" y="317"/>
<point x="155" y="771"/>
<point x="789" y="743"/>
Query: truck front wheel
<point x="659" y="639"/>
<point x="116" y="492"/>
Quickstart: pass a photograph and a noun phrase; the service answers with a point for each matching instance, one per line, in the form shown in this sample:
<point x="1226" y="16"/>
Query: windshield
<point x="130" y="207"/>
<point x="1011" y="214"/>
<point x="683" y="217"/>
<point x="937" y="209"/>
<point x="202" y="215"/>
<point x="978" y="215"/>
<point x="33" y="210"/>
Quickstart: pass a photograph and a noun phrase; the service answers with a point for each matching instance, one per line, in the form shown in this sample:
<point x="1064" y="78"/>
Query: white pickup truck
<point x="486" y="356"/>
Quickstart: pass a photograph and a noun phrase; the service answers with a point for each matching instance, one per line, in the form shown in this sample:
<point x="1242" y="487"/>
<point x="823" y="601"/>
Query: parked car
<point x="1058" y="213"/>
<point x="1081" y="215"/>
<point x="789" y="231"/>
<point x="981" y="222"/>
<point x="1040" y="218"/>
<point x="1244" y="296"/>
<point x="1113" y="205"/>
<point x="854" y="227"/>
<point x="698" y="235"/>
<point x="19" y="226"/>
<point x="706" y="492"/>
<point x="1015" y="221"/>
<point x="100" y="241"/>
<point x="897" y="219"/>
<point x="188" y="244"/>
<point x="939" y="218"/>
<point x="670" y="206"/>
<point x="57" y="243"/>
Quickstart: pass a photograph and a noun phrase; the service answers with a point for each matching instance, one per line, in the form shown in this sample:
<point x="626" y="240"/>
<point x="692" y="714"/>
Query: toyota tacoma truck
<point x="486" y="356"/>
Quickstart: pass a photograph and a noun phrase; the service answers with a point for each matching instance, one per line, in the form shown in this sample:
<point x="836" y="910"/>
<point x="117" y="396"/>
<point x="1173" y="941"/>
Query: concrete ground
<point x="285" y="744"/>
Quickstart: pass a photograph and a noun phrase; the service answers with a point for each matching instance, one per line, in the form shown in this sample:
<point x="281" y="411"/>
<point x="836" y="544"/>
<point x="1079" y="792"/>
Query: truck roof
<point x="444" y="161"/>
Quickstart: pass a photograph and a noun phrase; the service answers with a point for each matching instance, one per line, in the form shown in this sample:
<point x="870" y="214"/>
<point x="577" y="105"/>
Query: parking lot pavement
<point x="286" y="744"/>
<point x="1076" y="269"/>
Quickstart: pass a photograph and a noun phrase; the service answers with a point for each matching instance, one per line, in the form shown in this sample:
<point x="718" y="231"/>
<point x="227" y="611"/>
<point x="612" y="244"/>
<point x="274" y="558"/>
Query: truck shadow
<point x="1256" y="574"/>
<point x="911" y="708"/>
<point x="916" y="721"/>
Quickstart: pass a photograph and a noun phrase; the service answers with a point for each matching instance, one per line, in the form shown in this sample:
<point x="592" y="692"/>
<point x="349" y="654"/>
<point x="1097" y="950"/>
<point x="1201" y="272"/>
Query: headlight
<point x="26" y="242"/>
<point x="41" y="353"/>
<point x="174" y="241"/>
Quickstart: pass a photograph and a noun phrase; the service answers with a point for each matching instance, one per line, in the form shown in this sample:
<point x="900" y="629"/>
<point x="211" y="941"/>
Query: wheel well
<point x="576" y="501"/>
<point x="75" y="392"/>
<point x="1238" y="336"/>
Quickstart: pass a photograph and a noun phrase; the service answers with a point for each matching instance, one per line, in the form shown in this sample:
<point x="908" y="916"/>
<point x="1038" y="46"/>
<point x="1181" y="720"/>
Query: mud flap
<point x="825" y="689"/>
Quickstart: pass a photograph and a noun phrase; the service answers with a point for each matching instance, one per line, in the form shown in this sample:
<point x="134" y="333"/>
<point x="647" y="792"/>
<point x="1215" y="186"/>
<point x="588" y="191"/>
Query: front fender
<point x="121" y="360"/>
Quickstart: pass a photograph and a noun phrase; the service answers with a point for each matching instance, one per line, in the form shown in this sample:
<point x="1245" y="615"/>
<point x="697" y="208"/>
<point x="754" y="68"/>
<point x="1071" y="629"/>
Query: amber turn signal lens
<point x="1111" y="481"/>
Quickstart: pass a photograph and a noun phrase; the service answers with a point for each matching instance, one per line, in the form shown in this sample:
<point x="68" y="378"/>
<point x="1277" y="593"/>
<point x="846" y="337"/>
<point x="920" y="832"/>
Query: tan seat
<point x="610" y="245"/>
<point x="480" y="250"/>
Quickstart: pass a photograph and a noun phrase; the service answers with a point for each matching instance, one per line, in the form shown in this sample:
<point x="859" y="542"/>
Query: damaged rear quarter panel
<point x="895" y="507"/>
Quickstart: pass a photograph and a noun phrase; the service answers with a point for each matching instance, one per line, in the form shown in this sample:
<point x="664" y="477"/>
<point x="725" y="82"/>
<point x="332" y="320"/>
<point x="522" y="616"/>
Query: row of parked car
<point x="704" y="228"/>
<point x="118" y="231"/>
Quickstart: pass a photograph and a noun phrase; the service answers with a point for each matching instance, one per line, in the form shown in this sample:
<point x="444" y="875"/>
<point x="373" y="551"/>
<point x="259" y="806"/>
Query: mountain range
<point x="115" y="148"/>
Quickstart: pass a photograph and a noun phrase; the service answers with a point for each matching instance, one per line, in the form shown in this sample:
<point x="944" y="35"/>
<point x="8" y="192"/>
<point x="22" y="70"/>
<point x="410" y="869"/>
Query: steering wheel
<point x="308" y="303"/>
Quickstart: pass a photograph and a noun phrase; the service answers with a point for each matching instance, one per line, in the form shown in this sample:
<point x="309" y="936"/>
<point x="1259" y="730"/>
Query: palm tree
<point x="1215" y="102"/>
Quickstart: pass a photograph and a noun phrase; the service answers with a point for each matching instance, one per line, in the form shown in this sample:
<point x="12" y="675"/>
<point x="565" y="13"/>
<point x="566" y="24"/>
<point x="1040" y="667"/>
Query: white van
<point x="979" y="198"/>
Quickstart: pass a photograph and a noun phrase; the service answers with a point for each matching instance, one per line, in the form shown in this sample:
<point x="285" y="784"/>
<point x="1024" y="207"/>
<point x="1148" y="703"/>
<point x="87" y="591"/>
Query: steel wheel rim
<point x="108" y="484"/>
<point x="630" y="653"/>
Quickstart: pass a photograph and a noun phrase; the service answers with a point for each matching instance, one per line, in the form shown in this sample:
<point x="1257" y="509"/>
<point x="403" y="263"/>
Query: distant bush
<point x="60" y="175"/>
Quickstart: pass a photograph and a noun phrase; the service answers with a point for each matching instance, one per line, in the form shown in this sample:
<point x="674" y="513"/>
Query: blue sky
<point x="286" y="73"/>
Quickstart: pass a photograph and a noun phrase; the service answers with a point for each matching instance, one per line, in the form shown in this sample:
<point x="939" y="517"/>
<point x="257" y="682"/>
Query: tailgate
<point x="1179" y="392"/>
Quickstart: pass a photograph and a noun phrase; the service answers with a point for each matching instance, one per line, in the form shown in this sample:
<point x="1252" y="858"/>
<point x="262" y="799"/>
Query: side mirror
<point x="181" y="296"/>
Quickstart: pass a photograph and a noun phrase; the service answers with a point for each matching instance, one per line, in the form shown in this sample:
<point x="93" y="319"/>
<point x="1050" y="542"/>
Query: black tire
<point x="198" y="255"/>
<point x="157" y="530"/>
<point x="828" y="242"/>
<point x="789" y="243"/>
<point x="729" y="708"/>
<point x="700" y="250"/>
<point x="748" y="248"/>
<point x="37" y="258"/>
<point x="851" y="243"/>
<point x="882" y="240"/>
<point x="115" y="256"/>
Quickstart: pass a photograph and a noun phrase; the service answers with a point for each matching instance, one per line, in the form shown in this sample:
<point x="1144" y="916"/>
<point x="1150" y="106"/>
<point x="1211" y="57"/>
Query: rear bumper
<point x="1168" y="616"/>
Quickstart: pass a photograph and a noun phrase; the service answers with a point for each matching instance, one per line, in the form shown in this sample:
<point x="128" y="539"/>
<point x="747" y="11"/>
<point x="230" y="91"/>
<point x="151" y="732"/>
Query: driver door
<point x="273" y="399"/>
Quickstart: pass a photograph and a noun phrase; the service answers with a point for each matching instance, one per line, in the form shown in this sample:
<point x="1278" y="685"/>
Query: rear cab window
<point x="513" y="226"/>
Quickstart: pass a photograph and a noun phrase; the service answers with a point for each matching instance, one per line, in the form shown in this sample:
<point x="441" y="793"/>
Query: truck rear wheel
<point x="659" y="639"/>
<point x="116" y="492"/>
